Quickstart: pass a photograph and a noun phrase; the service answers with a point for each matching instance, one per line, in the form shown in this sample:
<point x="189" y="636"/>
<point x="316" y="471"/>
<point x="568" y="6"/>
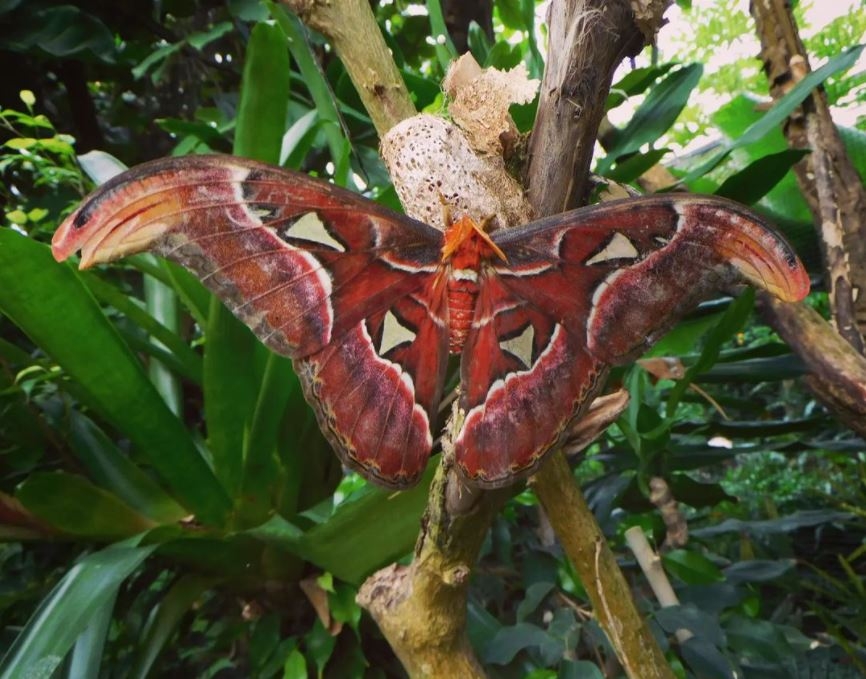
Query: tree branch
<point x="586" y="547"/>
<point x="352" y="29"/>
<point x="421" y="608"/>
<point x="588" y="40"/>
<point x="826" y="176"/>
<point x="837" y="374"/>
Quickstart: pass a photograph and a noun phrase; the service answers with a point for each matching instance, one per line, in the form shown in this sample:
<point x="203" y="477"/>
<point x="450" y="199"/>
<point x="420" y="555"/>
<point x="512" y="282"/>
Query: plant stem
<point x="352" y="29"/>
<point x="586" y="548"/>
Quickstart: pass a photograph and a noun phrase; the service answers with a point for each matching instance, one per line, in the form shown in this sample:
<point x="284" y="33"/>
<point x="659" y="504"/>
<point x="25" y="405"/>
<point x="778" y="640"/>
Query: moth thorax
<point x="462" y="293"/>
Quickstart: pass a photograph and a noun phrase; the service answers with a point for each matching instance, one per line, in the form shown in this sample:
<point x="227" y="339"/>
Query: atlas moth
<point x="369" y="303"/>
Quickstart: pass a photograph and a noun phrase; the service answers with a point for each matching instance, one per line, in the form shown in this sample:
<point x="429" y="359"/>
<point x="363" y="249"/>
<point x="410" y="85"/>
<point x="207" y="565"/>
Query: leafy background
<point x="168" y="505"/>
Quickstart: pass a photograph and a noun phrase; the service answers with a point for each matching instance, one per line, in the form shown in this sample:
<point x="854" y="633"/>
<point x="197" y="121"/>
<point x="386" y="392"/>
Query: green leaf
<point x="49" y="302"/>
<point x="730" y="323"/>
<point x="696" y="494"/>
<point x="784" y="524"/>
<point x="655" y="115"/>
<point x="72" y="504"/>
<point x="753" y="182"/>
<point x="635" y="165"/>
<point x="260" y="477"/>
<point x="636" y="81"/>
<point x="320" y="90"/>
<point x="758" y="639"/>
<point x="691" y="567"/>
<point x="190" y="361"/>
<point x="364" y="534"/>
<point x="190" y="291"/>
<point x="231" y="381"/>
<point x="161" y="305"/>
<point x="86" y="656"/>
<point x="509" y="641"/>
<point x="295" y="666"/>
<point x="320" y="645"/>
<point x="706" y="660"/>
<point x="780" y="111"/>
<point x="264" y="95"/>
<point x="158" y="56"/>
<point x="61" y="30"/>
<point x="109" y="468"/>
<point x="68" y="610"/>
<point x="201" y="39"/>
<point x="164" y="619"/>
<point x="535" y="594"/>
<point x="673" y="618"/>
<point x="579" y="669"/>
<point x="772" y="369"/>
<point x="445" y="50"/>
<point x="758" y="570"/>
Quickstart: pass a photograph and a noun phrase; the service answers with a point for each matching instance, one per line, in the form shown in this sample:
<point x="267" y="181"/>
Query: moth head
<point x="467" y="236"/>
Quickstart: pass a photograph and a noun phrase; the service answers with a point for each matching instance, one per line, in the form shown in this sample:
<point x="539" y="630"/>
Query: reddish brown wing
<point x="587" y="289"/>
<point x="320" y="274"/>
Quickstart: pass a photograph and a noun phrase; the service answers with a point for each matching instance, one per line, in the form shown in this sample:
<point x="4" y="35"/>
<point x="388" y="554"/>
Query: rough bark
<point x="587" y="41"/>
<point x="837" y="374"/>
<point x="826" y="176"/>
<point x="352" y="29"/>
<point x="421" y="608"/>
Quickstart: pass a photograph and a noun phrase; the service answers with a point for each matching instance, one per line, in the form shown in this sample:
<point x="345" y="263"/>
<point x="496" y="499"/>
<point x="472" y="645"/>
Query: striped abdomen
<point x="462" y="294"/>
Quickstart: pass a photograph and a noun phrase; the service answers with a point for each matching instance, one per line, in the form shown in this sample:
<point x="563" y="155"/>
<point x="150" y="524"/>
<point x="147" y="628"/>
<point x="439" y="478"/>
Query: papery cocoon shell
<point x="430" y="160"/>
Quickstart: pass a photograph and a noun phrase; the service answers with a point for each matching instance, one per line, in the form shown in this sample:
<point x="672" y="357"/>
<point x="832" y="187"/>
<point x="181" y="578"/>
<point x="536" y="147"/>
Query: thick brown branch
<point x="588" y="40"/>
<point x="589" y="553"/>
<point x="352" y="30"/>
<point x="837" y="374"/>
<point x="826" y="176"/>
<point x="421" y="608"/>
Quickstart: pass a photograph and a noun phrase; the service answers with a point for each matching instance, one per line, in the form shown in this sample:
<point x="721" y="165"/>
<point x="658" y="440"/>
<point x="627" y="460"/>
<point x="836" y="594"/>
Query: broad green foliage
<point x="719" y="32"/>
<point x="170" y="507"/>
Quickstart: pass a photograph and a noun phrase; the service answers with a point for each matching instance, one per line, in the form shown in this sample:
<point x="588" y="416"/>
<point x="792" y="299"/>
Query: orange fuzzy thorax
<point x="466" y="247"/>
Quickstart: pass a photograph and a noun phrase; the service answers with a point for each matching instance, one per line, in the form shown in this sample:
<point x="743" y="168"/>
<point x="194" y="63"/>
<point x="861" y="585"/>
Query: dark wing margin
<point x="378" y="387"/>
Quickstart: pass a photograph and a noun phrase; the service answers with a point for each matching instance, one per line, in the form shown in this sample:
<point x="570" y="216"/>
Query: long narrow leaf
<point x="264" y="95"/>
<point x="319" y="89"/>
<point x="445" y="50"/>
<point x="260" y="474"/>
<point x="232" y="353"/>
<point x="109" y="468"/>
<point x="109" y="294"/>
<point x="780" y="111"/>
<point x="655" y="115"/>
<point x="161" y="304"/>
<point x="731" y="322"/>
<point x="49" y="302"/>
<point x="69" y="609"/>
<point x="86" y="656"/>
<point x="165" y="619"/>
<point x="73" y="505"/>
<point x="361" y="536"/>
